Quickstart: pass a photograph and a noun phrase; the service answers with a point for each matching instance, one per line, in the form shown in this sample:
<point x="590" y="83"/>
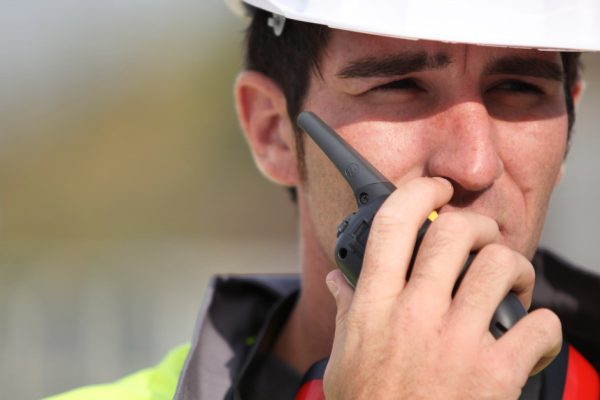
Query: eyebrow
<point x="406" y="63"/>
<point x="527" y="66"/>
<point x="393" y="65"/>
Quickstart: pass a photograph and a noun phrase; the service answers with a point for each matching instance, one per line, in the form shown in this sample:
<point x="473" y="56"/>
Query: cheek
<point x="532" y="157"/>
<point x="534" y="153"/>
<point x="327" y="198"/>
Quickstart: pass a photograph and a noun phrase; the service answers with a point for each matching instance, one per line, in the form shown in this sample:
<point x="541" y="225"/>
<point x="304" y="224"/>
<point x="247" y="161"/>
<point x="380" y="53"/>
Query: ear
<point x="262" y="112"/>
<point x="560" y="175"/>
<point x="577" y="91"/>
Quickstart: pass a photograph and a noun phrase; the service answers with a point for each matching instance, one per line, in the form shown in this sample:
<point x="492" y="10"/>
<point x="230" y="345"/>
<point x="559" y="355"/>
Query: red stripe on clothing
<point x="582" y="382"/>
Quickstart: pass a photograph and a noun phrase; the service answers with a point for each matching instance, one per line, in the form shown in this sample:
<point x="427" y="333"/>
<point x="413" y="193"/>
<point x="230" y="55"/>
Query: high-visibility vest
<point x="155" y="383"/>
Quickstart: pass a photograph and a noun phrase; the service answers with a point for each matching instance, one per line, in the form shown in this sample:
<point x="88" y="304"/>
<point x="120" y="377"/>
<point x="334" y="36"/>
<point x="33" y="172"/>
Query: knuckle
<point x="449" y="226"/>
<point x="498" y="257"/>
<point x="387" y="221"/>
<point x="549" y="323"/>
<point x="494" y="264"/>
<point x="456" y="220"/>
<point x="341" y="318"/>
<point x="528" y="273"/>
<point x="410" y="310"/>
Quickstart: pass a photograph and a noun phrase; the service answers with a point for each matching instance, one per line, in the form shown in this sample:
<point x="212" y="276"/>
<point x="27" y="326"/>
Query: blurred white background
<point x="125" y="184"/>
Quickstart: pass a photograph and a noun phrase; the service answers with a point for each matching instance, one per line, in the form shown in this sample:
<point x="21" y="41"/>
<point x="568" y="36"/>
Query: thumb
<point x="342" y="292"/>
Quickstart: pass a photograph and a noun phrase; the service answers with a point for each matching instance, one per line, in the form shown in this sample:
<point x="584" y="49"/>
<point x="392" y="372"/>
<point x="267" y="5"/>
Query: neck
<point x="307" y="336"/>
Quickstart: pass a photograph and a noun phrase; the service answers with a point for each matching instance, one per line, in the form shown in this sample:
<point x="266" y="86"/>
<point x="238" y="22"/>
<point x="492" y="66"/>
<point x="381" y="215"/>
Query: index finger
<point x="392" y="237"/>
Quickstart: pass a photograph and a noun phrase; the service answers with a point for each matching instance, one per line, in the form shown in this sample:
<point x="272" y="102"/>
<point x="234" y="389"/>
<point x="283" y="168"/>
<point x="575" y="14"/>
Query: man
<point x="478" y="133"/>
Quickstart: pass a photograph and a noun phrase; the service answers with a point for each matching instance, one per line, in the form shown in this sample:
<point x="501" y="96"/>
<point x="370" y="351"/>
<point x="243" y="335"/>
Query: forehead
<point x="345" y="47"/>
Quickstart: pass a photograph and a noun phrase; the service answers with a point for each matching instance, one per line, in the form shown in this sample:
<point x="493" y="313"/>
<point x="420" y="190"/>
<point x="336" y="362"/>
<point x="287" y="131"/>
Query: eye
<point x="400" y="84"/>
<point x="516" y="86"/>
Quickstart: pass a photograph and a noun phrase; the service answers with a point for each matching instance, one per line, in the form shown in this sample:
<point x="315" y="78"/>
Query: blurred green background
<point x="125" y="184"/>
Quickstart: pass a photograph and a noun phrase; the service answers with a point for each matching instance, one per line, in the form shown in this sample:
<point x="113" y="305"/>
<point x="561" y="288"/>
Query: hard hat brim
<point x="572" y="25"/>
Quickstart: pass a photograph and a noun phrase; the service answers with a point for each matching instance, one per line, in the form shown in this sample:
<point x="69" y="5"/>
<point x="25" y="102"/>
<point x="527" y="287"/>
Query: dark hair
<point x="287" y="59"/>
<point x="290" y="58"/>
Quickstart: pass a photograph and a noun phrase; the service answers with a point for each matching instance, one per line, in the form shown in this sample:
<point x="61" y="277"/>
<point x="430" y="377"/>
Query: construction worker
<point x="466" y="107"/>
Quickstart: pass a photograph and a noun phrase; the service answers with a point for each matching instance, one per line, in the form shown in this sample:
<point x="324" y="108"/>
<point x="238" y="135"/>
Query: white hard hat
<point x="542" y="24"/>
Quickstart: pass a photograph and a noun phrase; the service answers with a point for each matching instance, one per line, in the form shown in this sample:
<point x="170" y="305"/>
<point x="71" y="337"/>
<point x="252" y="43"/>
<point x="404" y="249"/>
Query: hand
<point x="411" y="340"/>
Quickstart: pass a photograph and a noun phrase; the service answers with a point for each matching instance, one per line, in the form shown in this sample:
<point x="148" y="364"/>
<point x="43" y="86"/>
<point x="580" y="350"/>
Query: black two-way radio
<point x="371" y="189"/>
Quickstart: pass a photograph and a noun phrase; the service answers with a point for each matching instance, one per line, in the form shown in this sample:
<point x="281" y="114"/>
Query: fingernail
<point x="332" y="286"/>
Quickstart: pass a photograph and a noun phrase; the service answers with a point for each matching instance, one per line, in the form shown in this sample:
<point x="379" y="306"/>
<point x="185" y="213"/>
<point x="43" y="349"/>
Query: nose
<point x="467" y="153"/>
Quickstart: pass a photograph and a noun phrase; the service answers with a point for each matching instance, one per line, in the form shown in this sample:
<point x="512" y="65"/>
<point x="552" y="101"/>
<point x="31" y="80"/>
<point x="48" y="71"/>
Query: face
<point x="491" y="120"/>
